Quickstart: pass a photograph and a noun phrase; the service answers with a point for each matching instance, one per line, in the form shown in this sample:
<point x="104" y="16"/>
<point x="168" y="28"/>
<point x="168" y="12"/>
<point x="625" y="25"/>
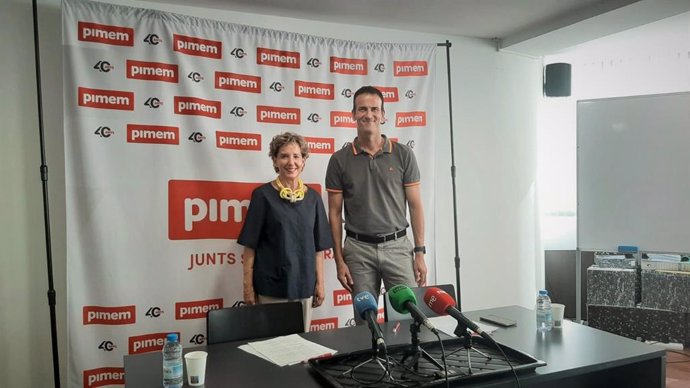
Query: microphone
<point x="441" y="303"/>
<point x="367" y="308"/>
<point x="403" y="301"/>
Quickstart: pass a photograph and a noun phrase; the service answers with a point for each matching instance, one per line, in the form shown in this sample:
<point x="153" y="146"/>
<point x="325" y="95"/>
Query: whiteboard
<point x="633" y="173"/>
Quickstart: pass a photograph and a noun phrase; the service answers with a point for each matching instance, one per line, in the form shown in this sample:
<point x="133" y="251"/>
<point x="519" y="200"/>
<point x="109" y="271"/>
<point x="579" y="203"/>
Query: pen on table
<point x="396" y="328"/>
<point x="319" y="357"/>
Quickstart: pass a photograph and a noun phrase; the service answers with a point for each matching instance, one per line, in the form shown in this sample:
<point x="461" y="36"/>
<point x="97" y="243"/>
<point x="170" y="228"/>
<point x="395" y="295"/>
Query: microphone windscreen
<point x="438" y="300"/>
<point x="399" y="295"/>
<point x="364" y="301"/>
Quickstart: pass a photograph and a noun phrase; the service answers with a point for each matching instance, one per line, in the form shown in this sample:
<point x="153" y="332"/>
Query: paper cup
<point x="558" y="310"/>
<point x="196" y="368"/>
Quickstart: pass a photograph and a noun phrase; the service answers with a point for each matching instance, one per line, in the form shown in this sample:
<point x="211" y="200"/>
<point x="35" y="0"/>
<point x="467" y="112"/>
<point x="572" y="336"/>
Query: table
<point x="576" y="356"/>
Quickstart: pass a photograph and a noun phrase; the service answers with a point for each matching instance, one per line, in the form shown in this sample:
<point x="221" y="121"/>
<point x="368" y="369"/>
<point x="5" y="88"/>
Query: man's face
<point x="368" y="113"/>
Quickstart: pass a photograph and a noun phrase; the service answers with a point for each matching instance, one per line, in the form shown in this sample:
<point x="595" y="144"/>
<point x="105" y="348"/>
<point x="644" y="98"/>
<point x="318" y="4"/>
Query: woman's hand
<point x="319" y="293"/>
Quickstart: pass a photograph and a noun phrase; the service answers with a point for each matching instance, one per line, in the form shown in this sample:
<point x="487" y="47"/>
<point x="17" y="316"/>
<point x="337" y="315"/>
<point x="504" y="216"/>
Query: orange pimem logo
<point x="240" y="82"/>
<point x="390" y="94"/>
<point x="147" y="342"/>
<point x="342" y="119"/>
<point x="348" y="66"/>
<point x="323" y="324"/>
<point x="238" y="141"/>
<point x="105" y="99"/>
<point x="197" y="107"/>
<point x="320" y="145"/>
<point x="279" y="58"/>
<point x="196" y="309"/>
<point x="277" y="115"/>
<point x="101" y="315"/>
<point x="410" y="119"/>
<point x="152" y="71"/>
<point x="152" y="134"/>
<point x="314" y="90"/>
<point x="207" y="209"/>
<point x="103" y="33"/>
<point x="104" y="376"/>
<point x="341" y="297"/>
<point x="410" y="68"/>
<point x="197" y="46"/>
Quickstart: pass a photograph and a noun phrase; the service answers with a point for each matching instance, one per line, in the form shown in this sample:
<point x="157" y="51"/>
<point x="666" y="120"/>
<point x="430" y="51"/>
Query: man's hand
<point x="249" y="295"/>
<point x="420" y="269"/>
<point x="345" y="278"/>
<point x="319" y="293"/>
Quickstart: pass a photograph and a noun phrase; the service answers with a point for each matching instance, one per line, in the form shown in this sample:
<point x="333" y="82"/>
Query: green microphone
<point x="403" y="301"/>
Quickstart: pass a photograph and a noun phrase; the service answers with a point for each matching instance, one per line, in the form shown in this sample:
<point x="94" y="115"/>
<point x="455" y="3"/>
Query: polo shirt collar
<point x="387" y="146"/>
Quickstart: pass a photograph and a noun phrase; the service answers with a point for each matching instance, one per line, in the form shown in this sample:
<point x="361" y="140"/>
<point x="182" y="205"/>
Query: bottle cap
<point x="172" y="337"/>
<point x="543" y="292"/>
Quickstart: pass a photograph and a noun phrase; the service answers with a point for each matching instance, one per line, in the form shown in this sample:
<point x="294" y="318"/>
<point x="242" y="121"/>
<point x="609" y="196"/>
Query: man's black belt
<point x="376" y="239"/>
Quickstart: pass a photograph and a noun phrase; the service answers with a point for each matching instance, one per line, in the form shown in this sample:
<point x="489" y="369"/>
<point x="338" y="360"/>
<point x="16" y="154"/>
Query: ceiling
<point x="531" y="27"/>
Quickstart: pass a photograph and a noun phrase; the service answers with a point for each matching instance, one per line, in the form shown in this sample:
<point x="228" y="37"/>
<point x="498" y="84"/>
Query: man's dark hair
<point x="366" y="90"/>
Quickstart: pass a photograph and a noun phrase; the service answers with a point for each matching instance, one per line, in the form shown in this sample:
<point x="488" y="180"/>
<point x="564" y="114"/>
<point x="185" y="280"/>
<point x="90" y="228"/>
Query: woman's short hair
<point x="282" y="139"/>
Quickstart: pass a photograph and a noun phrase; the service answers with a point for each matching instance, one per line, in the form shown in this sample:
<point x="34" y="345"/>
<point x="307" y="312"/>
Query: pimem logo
<point x="277" y="115"/>
<point x="390" y="93"/>
<point x="152" y="71"/>
<point x="410" y="119"/>
<point x="103" y="33"/>
<point x="239" y="82"/>
<point x="105" y="99"/>
<point x="350" y="66"/>
<point x="315" y="90"/>
<point x="152" y="134"/>
<point x="103" y="66"/>
<point x="323" y="324"/>
<point x="320" y="145"/>
<point x="341" y="119"/>
<point x="104" y="376"/>
<point x="197" y="46"/>
<point x="410" y="68"/>
<point x="101" y="315"/>
<point x="197" y="107"/>
<point x="238" y="141"/>
<point x="196" y="309"/>
<point x="207" y="209"/>
<point x="341" y="297"/>
<point x="147" y="342"/>
<point x="278" y="58"/>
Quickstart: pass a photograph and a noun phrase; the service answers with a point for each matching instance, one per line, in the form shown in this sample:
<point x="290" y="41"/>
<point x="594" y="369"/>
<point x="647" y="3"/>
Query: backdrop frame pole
<point x="46" y="208"/>
<point x="448" y="44"/>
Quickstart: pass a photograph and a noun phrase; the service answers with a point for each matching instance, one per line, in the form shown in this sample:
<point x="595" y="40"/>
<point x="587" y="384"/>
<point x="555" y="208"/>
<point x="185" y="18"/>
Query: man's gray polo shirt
<point x="373" y="187"/>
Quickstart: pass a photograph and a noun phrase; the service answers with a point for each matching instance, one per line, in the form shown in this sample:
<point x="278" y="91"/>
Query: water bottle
<point x="544" y="315"/>
<point x="172" y="362"/>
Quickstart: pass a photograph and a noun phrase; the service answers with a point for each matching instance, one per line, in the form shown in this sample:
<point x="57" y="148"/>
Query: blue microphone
<point x="367" y="309"/>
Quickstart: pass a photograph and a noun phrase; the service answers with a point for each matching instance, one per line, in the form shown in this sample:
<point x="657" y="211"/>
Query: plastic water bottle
<point x="172" y="362"/>
<point x="544" y="314"/>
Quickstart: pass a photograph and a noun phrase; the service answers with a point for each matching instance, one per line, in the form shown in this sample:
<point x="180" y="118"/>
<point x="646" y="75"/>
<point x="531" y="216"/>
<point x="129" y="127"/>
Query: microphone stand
<point x="415" y="351"/>
<point x="462" y="332"/>
<point x="374" y="358"/>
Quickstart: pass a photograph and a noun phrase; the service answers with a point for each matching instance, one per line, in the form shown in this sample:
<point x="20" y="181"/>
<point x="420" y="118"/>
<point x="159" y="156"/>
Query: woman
<point x="285" y="234"/>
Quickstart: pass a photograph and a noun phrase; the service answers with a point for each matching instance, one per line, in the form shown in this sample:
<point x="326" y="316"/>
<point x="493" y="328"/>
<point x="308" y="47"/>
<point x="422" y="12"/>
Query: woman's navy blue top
<point x="286" y="237"/>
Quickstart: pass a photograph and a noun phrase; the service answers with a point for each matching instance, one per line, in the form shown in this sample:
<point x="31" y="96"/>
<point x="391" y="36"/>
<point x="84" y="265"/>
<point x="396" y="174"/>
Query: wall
<point x="494" y="98"/>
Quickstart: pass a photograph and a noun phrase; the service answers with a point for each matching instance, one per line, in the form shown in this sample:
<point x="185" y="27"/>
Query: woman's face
<point x="289" y="161"/>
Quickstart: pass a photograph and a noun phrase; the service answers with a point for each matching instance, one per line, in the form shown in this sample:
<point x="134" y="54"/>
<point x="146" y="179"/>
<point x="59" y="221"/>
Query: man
<point x="375" y="178"/>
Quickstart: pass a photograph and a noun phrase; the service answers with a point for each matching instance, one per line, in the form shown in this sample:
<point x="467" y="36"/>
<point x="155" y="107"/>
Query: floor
<point x="678" y="368"/>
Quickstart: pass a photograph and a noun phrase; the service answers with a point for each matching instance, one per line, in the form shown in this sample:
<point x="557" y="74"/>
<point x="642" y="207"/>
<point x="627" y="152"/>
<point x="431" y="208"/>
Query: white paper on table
<point x="447" y="324"/>
<point x="289" y="350"/>
<point x="251" y="350"/>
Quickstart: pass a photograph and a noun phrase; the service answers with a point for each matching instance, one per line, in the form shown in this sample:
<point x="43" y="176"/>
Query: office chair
<point x="390" y="315"/>
<point x="255" y="321"/>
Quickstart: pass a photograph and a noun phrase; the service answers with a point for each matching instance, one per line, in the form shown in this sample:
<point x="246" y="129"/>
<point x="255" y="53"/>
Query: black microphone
<point x="403" y="301"/>
<point x="367" y="308"/>
<point x="441" y="303"/>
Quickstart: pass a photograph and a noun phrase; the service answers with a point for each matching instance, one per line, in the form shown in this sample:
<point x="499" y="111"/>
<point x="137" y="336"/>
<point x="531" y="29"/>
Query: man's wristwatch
<point x="420" y="249"/>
